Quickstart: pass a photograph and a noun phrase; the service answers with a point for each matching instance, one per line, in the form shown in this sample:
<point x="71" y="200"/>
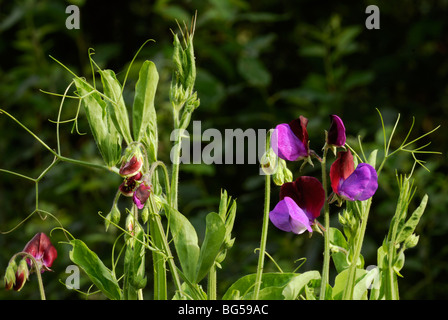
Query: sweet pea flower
<point x="352" y="184"/>
<point x="141" y="194"/>
<point x="336" y="135"/>
<point x="300" y="204"/>
<point x="290" y="140"/>
<point x="42" y="250"/>
<point x="131" y="167"/>
<point x="128" y="185"/>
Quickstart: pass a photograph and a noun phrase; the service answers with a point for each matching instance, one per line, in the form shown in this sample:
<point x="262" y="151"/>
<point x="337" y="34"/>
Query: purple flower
<point x="350" y="184"/>
<point x="300" y="204"/>
<point x="42" y="250"/>
<point x="290" y="140"/>
<point x="336" y="135"/>
<point x="141" y="194"/>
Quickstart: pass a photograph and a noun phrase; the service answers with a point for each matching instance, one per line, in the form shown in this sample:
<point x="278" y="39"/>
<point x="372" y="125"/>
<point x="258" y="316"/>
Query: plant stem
<point x="348" y="292"/>
<point x="166" y="248"/>
<point x="160" y="292"/>
<point x="326" y="264"/>
<point x="36" y="269"/>
<point x="175" y="161"/>
<point x="264" y="236"/>
<point x="211" y="289"/>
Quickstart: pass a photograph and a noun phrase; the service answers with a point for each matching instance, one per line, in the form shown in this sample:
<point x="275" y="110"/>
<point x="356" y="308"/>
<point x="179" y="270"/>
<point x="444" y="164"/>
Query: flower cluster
<point x="301" y="201"/>
<point x="43" y="252"/>
<point x="135" y="184"/>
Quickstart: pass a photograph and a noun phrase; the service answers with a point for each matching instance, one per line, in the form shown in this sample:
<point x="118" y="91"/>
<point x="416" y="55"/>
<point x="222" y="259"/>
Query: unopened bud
<point x="10" y="275"/>
<point x="268" y="162"/>
<point x="22" y="275"/>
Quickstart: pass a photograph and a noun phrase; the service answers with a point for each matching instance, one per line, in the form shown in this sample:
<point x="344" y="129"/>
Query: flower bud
<point x="113" y="216"/>
<point x="22" y="275"/>
<point x="282" y="174"/>
<point x="10" y="275"/>
<point x="411" y="241"/>
<point x="268" y="162"/>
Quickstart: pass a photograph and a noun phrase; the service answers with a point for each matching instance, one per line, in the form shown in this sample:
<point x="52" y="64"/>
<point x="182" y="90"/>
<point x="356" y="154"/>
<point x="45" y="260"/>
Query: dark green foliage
<point x="258" y="63"/>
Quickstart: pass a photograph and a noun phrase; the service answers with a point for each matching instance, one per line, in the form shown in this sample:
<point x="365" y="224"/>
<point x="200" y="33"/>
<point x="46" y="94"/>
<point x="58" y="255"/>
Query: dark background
<point x="259" y="63"/>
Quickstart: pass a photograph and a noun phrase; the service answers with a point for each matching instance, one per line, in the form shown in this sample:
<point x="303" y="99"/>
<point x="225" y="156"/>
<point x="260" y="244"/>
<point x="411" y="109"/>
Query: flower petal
<point x="288" y="216"/>
<point x="41" y="248"/>
<point x="336" y="134"/>
<point x="131" y="167"/>
<point x="298" y="127"/>
<point x="286" y="144"/>
<point x="341" y="169"/>
<point x="308" y="194"/>
<point x="361" y="184"/>
<point x="141" y="194"/>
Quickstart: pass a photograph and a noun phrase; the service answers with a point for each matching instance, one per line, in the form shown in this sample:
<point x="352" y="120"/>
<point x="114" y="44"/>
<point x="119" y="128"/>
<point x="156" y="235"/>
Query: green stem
<point x="348" y="292"/>
<point x="211" y="289"/>
<point x="175" y="171"/>
<point x="264" y="236"/>
<point x="166" y="248"/>
<point x="326" y="264"/>
<point x="159" y="227"/>
<point x="36" y="269"/>
<point x="160" y="292"/>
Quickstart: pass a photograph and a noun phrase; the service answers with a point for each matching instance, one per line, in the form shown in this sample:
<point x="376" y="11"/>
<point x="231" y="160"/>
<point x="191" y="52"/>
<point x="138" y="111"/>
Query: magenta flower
<point x="290" y="141"/>
<point x="300" y="204"/>
<point x="352" y="184"/>
<point x="42" y="250"/>
<point x="336" y="135"/>
<point x="141" y="194"/>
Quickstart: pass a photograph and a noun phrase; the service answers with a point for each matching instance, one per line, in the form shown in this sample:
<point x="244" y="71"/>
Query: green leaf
<point x="340" y="284"/>
<point x="215" y="233"/>
<point x="144" y="118"/>
<point x="98" y="273"/>
<point x="340" y="249"/>
<point x="185" y="241"/>
<point x="297" y="284"/>
<point x="274" y="286"/>
<point x="410" y="225"/>
<point x="104" y="132"/>
<point x="117" y="108"/>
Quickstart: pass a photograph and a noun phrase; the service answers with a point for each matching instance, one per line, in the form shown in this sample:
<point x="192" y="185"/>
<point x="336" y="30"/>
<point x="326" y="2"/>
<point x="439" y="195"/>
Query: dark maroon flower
<point x="131" y="167"/>
<point x="141" y="194"/>
<point x="128" y="185"/>
<point x="300" y="204"/>
<point x="42" y="250"/>
<point x="336" y="135"/>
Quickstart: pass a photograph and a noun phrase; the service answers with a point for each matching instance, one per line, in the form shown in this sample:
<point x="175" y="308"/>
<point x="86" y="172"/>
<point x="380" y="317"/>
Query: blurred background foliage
<point x="259" y="63"/>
